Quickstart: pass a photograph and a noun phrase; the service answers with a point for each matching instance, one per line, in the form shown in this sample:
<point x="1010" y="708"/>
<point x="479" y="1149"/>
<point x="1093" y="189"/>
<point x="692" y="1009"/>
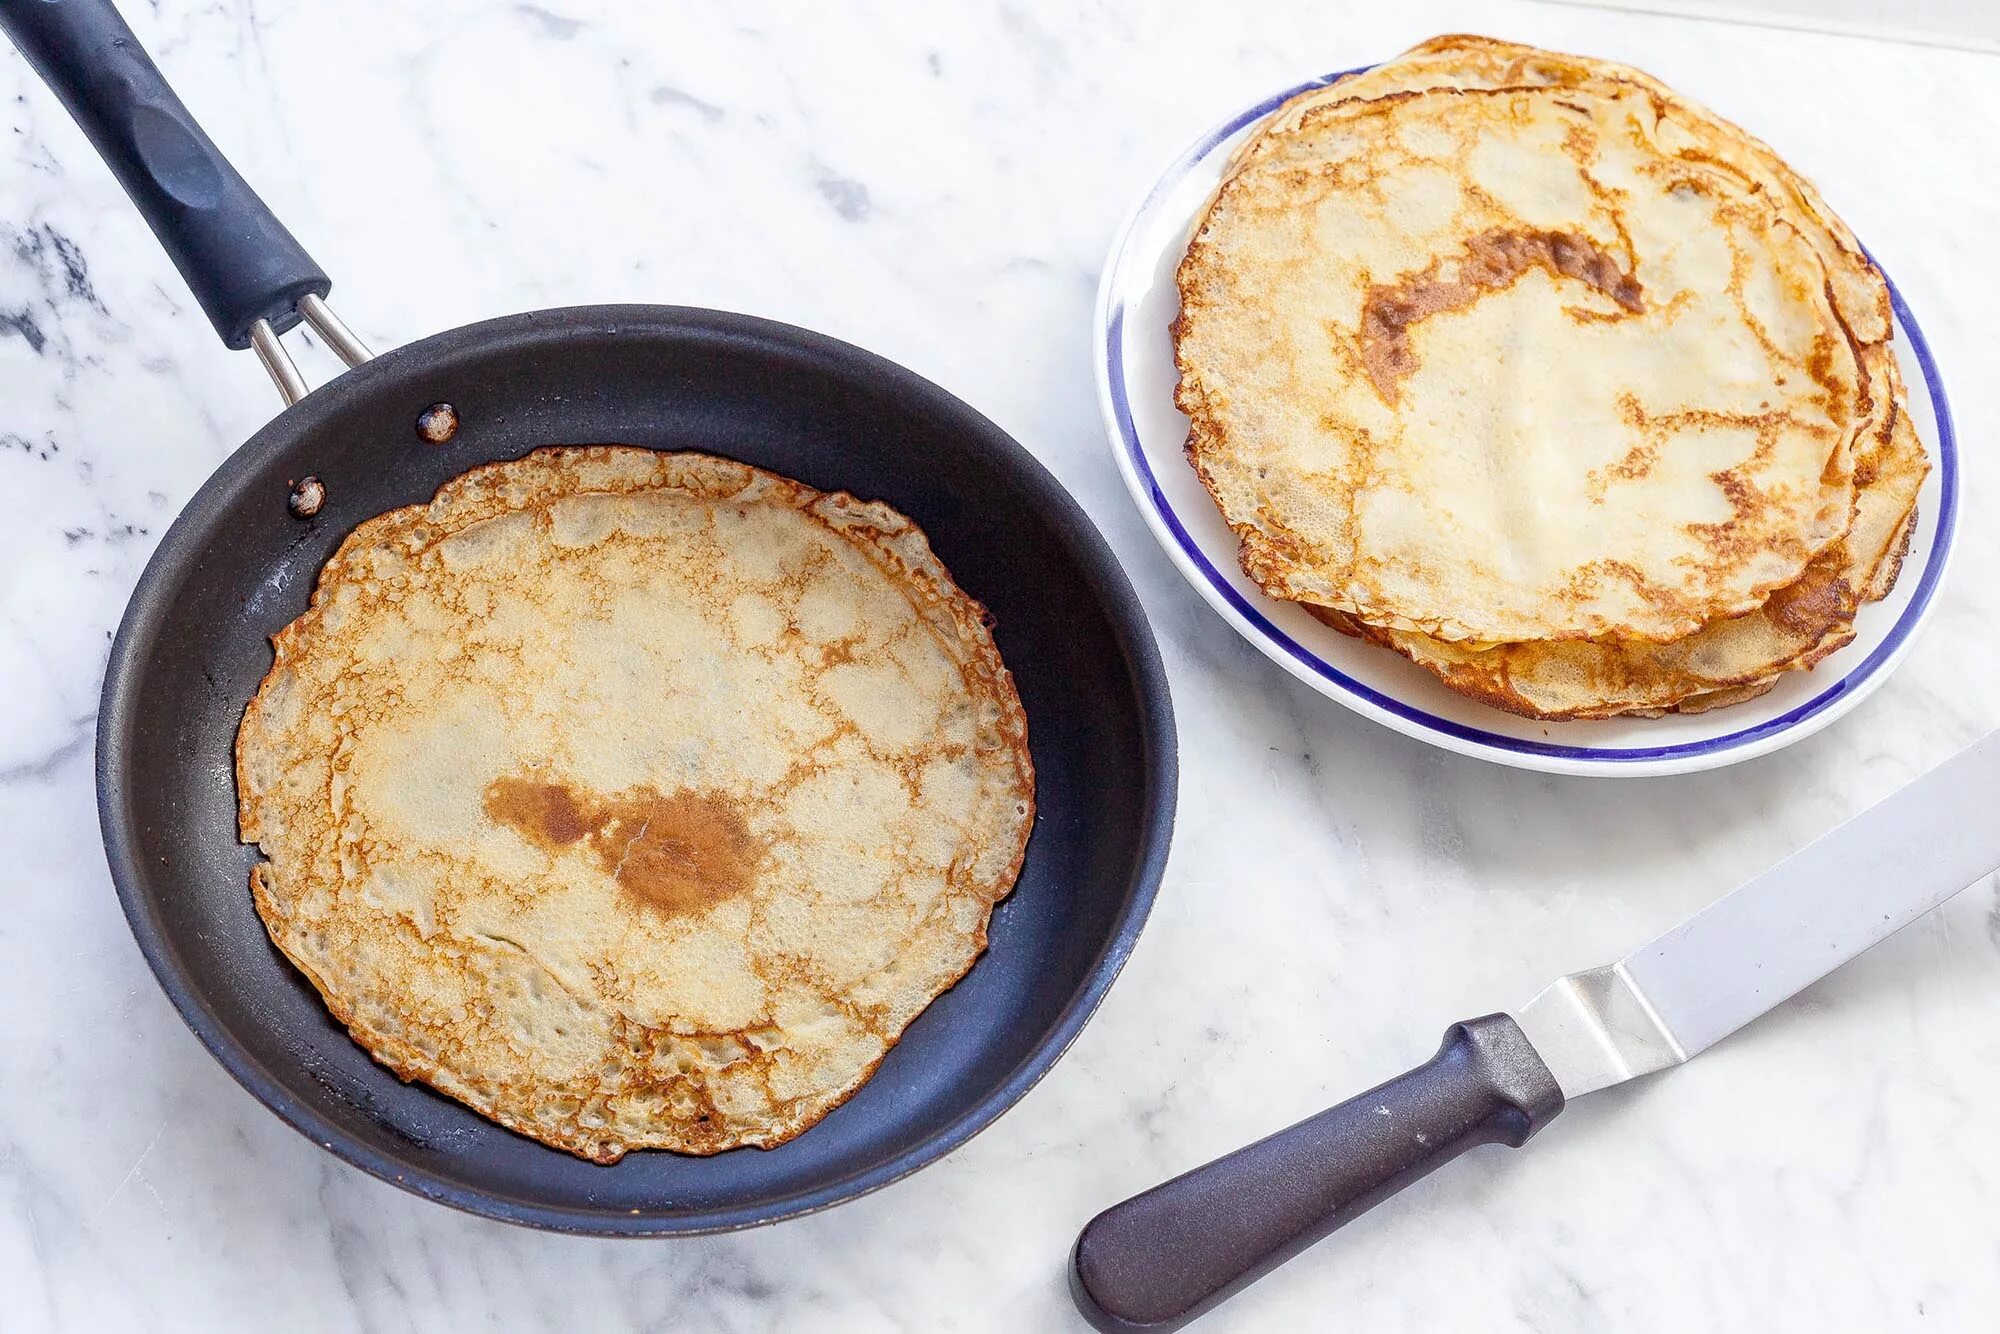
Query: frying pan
<point x="237" y="565"/>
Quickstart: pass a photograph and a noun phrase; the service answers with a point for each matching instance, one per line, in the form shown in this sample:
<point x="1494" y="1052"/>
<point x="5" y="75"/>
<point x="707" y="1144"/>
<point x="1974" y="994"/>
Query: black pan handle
<point x="237" y="258"/>
<point x="1160" y="1259"/>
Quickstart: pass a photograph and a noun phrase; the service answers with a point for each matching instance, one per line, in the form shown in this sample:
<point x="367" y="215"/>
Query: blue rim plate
<point x="1135" y="378"/>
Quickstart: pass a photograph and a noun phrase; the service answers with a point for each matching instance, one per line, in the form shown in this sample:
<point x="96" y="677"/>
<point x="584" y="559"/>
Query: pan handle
<point x="251" y="277"/>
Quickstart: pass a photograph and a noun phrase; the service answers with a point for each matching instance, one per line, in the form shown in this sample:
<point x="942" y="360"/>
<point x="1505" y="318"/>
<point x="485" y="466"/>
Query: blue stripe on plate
<point x="1927" y="583"/>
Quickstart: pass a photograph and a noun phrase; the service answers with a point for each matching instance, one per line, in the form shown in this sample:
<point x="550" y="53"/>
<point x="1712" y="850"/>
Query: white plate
<point x="1136" y="302"/>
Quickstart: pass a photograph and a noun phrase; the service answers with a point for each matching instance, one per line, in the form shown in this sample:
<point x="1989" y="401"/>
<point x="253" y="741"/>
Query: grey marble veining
<point x="939" y="184"/>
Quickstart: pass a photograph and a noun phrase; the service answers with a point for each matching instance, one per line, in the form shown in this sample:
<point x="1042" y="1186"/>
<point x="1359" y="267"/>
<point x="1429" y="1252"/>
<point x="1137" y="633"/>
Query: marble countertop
<point x="940" y="187"/>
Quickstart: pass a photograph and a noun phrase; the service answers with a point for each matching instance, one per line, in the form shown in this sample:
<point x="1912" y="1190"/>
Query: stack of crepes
<point x="1568" y="390"/>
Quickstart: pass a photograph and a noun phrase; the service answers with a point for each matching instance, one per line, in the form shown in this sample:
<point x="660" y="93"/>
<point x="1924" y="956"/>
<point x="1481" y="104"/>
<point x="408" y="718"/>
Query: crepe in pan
<point x="635" y="800"/>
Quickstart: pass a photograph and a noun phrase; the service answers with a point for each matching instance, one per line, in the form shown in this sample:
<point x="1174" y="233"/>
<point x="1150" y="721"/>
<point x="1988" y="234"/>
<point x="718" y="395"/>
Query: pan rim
<point x="169" y="567"/>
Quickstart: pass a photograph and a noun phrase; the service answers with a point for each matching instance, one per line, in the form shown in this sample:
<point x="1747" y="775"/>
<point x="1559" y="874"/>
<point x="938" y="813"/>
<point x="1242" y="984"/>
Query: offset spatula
<point x="1162" y="1258"/>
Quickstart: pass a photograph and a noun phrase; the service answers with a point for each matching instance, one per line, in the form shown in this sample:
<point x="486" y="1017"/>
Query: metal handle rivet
<point x="437" y="423"/>
<point x="306" y="498"/>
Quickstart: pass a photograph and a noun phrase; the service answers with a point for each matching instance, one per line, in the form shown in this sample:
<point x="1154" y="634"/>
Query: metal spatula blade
<point x="1162" y="1258"/>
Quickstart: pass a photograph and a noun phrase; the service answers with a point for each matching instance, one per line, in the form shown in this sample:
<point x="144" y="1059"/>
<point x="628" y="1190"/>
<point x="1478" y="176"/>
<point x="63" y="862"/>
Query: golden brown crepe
<point x="635" y="800"/>
<point x="1549" y="379"/>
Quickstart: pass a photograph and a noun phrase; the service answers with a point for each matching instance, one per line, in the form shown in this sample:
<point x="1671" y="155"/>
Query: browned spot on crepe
<point x="677" y="854"/>
<point x="545" y="812"/>
<point x="1491" y="262"/>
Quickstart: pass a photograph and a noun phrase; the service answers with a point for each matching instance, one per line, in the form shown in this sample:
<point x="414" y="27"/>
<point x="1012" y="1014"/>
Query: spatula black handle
<point x="237" y="258"/>
<point x="1162" y="1258"/>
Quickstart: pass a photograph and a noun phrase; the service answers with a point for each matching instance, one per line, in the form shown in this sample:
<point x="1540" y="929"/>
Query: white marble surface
<point x="940" y="186"/>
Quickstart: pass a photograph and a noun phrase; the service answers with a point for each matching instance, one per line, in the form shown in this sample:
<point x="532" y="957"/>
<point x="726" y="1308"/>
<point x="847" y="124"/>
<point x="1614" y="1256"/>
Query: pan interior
<point x="236" y="567"/>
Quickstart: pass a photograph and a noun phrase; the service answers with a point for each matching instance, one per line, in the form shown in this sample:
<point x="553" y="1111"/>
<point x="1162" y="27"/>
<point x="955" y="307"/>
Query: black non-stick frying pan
<point x="237" y="565"/>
